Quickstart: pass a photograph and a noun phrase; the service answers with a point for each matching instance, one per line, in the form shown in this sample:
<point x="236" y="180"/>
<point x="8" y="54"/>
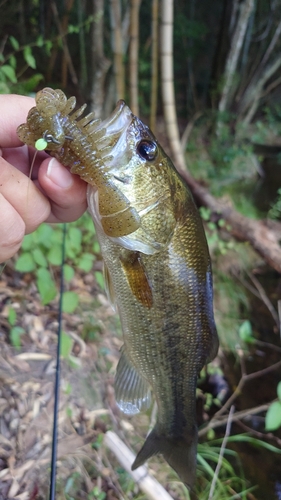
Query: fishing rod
<point x="53" y="471"/>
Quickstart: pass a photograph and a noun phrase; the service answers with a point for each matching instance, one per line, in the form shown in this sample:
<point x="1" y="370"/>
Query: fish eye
<point x="147" y="150"/>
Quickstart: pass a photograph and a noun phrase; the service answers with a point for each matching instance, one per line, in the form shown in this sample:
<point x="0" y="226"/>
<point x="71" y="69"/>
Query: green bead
<point x="41" y="144"/>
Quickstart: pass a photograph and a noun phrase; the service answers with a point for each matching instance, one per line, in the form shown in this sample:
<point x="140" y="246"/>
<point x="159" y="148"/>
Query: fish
<point x="157" y="265"/>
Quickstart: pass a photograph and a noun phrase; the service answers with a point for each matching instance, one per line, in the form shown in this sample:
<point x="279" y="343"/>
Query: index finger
<point x="14" y="110"/>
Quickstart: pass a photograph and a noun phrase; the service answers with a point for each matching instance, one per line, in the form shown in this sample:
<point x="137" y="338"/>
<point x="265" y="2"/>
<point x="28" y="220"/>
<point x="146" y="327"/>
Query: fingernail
<point x="59" y="175"/>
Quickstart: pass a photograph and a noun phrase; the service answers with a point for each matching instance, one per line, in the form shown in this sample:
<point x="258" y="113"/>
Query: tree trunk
<point x="154" y="65"/>
<point x="262" y="74"/>
<point x="134" y="52"/>
<point x="255" y="92"/>
<point x="117" y="47"/>
<point x="237" y="40"/>
<point x="167" y="81"/>
<point x="100" y="64"/>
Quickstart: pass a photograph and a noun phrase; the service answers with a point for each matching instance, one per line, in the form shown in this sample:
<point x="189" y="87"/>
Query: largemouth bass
<point x="156" y="262"/>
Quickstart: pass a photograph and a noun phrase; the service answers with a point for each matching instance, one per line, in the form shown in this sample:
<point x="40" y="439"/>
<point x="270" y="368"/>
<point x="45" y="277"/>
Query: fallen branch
<point x="147" y="483"/>
<point x="238" y="416"/>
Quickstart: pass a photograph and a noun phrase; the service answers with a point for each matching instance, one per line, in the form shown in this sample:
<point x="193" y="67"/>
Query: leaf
<point x="75" y="238"/>
<point x="85" y="262"/>
<point x="205" y="213"/>
<point x="12" y="316"/>
<point x="96" y="247"/>
<point x="46" y="286"/>
<point x="15" y="44"/>
<point x="74" y="361"/>
<point x="39" y="257"/>
<point x="70" y="301"/>
<point x="40" y="41"/>
<point x="44" y="234"/>
<point x="29" y="58"/>
<point x="68" y="272"/>
<point x="100" y="279"/>
<point x="279" y="390"/>
<point x="28" y="242"/>
<point x="4" y="88"/>
<point x="25" y="263"/>
<point x="246" y="332"/>
<point x="32" y="82"/>
<point x="9" y="72"/>
<point x="57" y="236"/>
<point x="13" y="62"/>
<point x="273" y="416"/>
<point x="48" y="45"/>
<point x="66" y="345"/>
<point x="15" y="335"/>
<point x="54" y="255"/>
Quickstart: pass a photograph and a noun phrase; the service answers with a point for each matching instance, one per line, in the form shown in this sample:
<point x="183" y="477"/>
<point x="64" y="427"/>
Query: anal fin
<point x="132" y="391"/>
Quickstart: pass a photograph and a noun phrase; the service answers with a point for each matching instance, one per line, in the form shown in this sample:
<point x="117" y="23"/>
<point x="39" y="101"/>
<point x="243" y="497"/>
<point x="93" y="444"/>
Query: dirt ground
<point x="86" y="406"/>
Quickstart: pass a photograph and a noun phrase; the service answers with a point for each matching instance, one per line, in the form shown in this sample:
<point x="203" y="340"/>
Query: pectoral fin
<point x="109" y="287"/>
<point x="137" y="278"/>
<point x="132" y="391"/>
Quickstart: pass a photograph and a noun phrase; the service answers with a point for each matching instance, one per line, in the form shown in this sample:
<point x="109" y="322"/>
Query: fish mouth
<point x="113" y="140"/>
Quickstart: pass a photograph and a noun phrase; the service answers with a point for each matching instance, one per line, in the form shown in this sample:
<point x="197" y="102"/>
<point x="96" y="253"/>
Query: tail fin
<point x="180" y="453"/>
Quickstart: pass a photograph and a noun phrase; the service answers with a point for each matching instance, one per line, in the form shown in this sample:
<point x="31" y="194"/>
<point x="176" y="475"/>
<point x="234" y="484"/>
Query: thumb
<point x="66" y="191"/>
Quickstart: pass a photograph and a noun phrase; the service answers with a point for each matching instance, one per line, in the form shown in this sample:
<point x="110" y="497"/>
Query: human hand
<point x="52" y="195"/>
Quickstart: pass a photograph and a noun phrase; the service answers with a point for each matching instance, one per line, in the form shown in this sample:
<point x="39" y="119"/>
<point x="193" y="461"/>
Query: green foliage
<point x="231" y="482"/>
<point x="275" y="211"/>
<point x="100" y="279"/>
<point x="46" y="285"/>
<point x="273" y="415"/>
<point x="15" y="332"/>
<point x="25" y="263"/>
<point x="69" y="302"/>
<point x="41" y="254"/>
<point x="15" y="336"/>
<point x="232" y="303"/>
<point x="15" y="64"/>
<point x="215" y="239"/>
<point x="246" y="332"/>
<point x="98" y="442"/>
<point x="66" y="345"/>
<point x="96" y="494"/>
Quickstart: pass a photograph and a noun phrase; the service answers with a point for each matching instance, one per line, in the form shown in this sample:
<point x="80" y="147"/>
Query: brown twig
<point x="64" y="44"/>
<point x="238" y="416"/>
<point x="264" y="298"/>
<point x="245" y="378"/>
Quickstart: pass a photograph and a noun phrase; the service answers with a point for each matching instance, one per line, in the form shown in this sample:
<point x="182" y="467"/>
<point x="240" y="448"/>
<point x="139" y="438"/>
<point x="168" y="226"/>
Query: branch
<point x="254" y="91"/>
<point x="239" y="415"/>
<point x="145" y="481"/>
